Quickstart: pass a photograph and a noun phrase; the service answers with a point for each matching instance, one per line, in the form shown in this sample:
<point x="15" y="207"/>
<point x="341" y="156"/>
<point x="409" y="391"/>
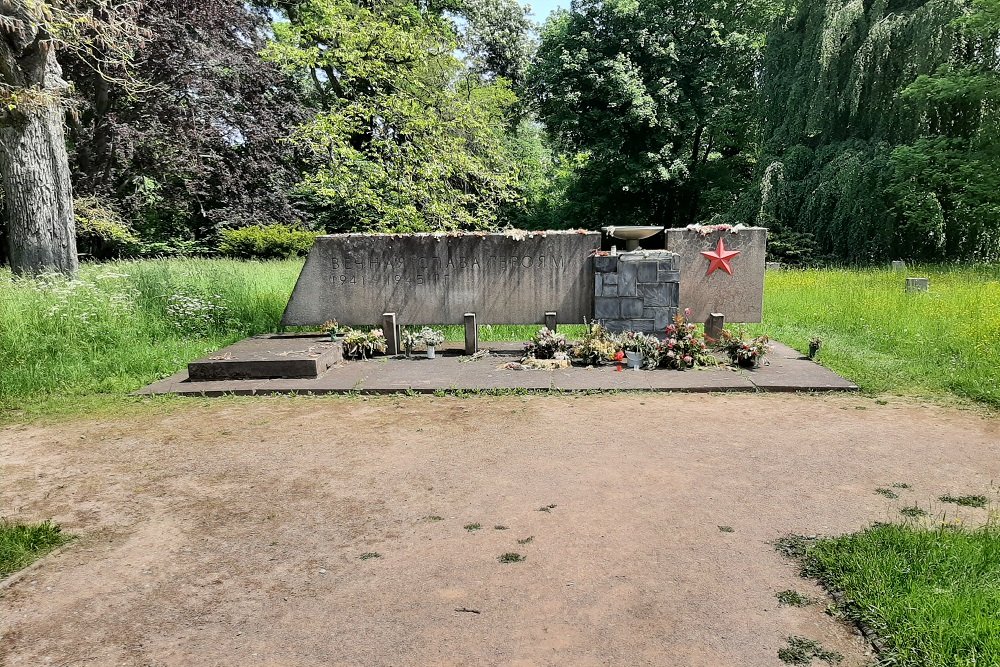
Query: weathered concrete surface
<point x="787" y="371"/>
<point x="740" y="297"/>
<point x="270" y="356"/>
<point x="437" y="278"/>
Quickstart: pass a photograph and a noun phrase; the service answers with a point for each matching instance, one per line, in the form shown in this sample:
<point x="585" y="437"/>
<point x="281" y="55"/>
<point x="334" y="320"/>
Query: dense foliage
<point x="880" y="129"/>
<point x="657" y="97"/>
<point x="854" y="131"/>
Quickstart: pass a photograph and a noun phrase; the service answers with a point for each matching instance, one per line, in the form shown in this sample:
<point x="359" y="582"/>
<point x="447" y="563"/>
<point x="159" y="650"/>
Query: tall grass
<point x="125" y="324"/>
<point x="885" y="340"/>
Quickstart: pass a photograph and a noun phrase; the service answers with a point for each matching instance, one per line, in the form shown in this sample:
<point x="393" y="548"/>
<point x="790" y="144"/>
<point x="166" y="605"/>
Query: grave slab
<point x="270" y="356"/>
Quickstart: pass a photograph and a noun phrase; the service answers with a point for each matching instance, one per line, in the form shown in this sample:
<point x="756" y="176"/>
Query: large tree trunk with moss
<point x="34" y="165"/>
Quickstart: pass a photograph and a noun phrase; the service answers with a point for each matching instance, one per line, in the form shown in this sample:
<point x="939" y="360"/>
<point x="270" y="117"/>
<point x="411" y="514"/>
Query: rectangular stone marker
<point x="898" y="265"/>
<point x="918" y="284"/>
<point x="740" y="296"/>
<point x="269" y="356"/>
<point x="714" y="325"/>
<point x="471" y="334"/>
<point x="438" y="278"/>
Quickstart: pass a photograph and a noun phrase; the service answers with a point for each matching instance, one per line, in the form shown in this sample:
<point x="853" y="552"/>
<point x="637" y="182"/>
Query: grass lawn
<point x="931" y="595"/>
<point x="20" y="544"/>
<point x="945" y="341"/>
<point x="71" y="347"/>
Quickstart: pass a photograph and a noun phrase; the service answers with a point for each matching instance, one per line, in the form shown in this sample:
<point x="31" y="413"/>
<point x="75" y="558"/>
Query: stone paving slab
<point x="270" y="356"/>
<point x="787" y="371"/>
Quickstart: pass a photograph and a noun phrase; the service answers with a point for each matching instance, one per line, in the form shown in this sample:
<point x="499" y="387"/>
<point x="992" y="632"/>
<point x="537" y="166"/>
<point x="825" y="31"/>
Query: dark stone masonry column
<point x="636" y="291"/>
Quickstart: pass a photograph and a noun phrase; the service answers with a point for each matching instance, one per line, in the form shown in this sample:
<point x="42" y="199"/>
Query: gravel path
<point x="231" y="532"/>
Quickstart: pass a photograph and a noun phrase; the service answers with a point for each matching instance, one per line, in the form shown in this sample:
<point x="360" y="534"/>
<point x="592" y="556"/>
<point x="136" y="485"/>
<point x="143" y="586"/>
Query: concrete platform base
<point x="787" y="371"/>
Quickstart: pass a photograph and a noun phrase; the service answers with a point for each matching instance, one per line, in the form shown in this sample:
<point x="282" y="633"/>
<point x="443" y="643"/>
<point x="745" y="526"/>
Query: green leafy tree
<point x="880" y="131"/>
<point x="498" y="39"/>
<point x="34" y="163"/>
<point x="658" y="97"/>
<point x="407" y="139"/>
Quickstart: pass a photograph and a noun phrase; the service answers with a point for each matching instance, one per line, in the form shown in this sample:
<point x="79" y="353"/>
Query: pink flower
<point x="688" y="359"/>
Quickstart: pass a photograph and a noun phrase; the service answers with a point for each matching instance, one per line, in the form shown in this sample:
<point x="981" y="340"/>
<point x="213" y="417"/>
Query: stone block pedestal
<point x="636" y="291"/>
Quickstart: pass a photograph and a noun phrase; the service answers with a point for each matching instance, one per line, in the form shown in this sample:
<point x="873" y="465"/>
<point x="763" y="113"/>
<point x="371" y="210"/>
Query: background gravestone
<point x="438" y="278"/>
<point x="739" y="297"/>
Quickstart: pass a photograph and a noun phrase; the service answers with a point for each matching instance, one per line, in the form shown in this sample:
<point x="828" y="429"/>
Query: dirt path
<point x="229" y="533"/>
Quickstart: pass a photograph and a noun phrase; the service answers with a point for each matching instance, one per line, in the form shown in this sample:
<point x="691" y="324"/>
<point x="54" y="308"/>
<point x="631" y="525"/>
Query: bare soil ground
<point x="230" y="532"/>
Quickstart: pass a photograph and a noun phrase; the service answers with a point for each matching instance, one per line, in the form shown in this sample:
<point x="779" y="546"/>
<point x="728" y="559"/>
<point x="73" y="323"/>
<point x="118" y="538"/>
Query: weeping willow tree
<point x="880" y="131"/>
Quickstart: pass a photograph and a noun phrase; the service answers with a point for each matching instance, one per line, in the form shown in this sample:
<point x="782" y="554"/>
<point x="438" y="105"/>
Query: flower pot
<point x="430" y="351"/>
<point x="634" y="360"/>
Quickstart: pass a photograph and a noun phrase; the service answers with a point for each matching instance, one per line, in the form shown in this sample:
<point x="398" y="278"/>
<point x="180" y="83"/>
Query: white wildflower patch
<point x="194" y="313"/>
<point x="80" y="301"/>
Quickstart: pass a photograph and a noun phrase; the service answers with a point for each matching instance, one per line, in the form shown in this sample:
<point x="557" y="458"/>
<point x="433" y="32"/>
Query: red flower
<point x="619" y="355"/>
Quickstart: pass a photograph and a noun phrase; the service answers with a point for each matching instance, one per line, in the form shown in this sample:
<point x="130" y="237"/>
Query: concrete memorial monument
<point x="721" y="271"/>
<point x="513" y="278"/>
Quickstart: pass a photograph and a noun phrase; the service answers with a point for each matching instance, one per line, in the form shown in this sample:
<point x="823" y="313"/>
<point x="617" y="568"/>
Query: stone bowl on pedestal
<point x="631" y="234"/>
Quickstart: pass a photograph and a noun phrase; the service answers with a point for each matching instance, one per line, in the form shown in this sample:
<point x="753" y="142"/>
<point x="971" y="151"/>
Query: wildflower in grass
<point x="194" y="314"/>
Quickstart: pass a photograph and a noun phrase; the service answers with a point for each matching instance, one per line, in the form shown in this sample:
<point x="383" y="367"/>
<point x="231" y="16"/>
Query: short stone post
<point x="898" y="265"/>
<point x="471" y="334"/>
<point x="550" y="321"/>
<point x="391" y="331"/>
<point x="917" y="284"/>
<point x="714" y="325"/>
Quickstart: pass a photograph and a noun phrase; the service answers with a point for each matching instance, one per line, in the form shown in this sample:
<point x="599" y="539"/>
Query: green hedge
<point x="266" y="242"/>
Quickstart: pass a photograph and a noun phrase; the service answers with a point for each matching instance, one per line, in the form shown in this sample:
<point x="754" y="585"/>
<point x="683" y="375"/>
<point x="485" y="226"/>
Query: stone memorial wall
<point x="722" y="271"/>
<point x="436" y="278"/>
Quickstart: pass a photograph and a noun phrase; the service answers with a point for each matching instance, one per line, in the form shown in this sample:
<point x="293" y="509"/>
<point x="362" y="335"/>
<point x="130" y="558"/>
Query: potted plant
<point x="410" y="340"/>
<point x="547" y="344"/>
<point x="431" y="338"/>
<point x="639" y="349"/>
<point x="814" y="344"/>
<point x="333" y="328"/>
<point x="363" y="344"/>
<point x="742" y="350"/>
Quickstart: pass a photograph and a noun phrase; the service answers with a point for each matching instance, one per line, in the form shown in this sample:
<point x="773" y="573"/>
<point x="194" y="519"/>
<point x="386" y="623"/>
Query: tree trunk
<point x="34" y="171"/>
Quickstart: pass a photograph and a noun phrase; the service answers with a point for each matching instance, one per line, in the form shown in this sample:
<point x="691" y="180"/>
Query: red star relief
<point x="720" y="258"/>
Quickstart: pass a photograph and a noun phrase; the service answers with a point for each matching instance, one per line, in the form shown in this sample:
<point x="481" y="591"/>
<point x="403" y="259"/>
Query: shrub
<point x="266" y="242"/>
<point x="101" y="232"/>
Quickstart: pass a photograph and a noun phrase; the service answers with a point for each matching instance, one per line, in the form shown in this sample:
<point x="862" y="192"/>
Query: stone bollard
<point x="714" y="325"/>
<point x="917" y="284"/>
<point x="391" y="331"/>
<point x="471" y="334"/>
